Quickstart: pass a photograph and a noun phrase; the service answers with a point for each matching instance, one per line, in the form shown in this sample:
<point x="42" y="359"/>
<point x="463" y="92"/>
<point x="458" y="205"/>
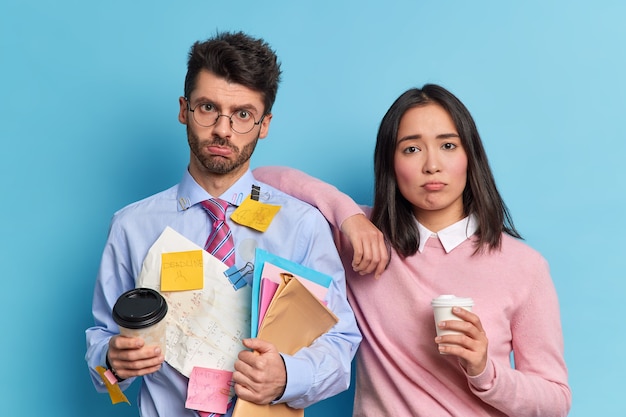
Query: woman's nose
<point x="432" y="163"/>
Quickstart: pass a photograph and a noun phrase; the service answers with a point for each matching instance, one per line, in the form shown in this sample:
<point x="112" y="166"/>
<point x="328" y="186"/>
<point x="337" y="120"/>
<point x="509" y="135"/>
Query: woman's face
<point x="431" y="166"/>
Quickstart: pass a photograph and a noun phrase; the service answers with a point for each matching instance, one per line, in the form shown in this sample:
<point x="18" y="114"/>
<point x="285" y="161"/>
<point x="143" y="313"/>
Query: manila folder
<point x="294" y="319"/>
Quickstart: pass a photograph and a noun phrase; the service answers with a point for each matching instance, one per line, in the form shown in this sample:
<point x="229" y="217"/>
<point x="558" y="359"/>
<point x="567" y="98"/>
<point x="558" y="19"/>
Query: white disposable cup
<point x="442" y="310"/>
<point x="152" y="336"/>
<point x="141" y="313"/>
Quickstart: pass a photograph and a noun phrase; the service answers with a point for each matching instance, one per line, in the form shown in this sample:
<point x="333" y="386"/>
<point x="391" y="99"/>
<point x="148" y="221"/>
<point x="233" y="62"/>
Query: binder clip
<point x="237" y="277"/>
<point x="256" y="191"/>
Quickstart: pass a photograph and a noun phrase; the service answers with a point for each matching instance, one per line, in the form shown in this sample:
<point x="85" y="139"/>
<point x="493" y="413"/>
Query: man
<point x="230" y="87"/>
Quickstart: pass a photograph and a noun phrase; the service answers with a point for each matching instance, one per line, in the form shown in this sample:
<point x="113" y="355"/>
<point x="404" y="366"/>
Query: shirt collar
<point x="450" y="237"/>
<point x="191" y="193"/>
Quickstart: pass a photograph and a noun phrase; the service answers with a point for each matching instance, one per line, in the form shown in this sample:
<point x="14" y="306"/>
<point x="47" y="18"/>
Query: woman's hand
<point x="368" y="243"/>
<point x="470" y="345"/>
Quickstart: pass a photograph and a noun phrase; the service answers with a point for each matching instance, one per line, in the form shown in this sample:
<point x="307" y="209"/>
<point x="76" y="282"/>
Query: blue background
<point x="88" y="123"/>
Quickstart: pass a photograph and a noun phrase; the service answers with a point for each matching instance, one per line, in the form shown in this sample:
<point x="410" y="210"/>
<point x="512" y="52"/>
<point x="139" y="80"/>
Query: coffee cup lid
<point x="449" y="300"/>
<point x="139" y="308"/>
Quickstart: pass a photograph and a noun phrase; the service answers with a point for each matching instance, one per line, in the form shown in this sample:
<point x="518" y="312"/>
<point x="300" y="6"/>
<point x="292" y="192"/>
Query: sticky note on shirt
<point x="209" y="390"/>
<point x="255" y="214"/>
<point x="182" y="271"/>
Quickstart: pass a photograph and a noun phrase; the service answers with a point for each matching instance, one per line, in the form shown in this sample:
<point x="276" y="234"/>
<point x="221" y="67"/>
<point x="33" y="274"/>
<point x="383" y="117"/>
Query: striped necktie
<point x="220" y="241"/>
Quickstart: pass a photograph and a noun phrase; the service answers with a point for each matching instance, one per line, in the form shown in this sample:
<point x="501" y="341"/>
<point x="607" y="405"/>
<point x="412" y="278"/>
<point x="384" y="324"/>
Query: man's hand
<point x="260" y="376"/>
<point x="370" y="251"/>
<point x="129" y="357"/>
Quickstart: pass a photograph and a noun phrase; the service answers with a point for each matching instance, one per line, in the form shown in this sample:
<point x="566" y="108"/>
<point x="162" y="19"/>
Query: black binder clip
<point x="256" y="191"/>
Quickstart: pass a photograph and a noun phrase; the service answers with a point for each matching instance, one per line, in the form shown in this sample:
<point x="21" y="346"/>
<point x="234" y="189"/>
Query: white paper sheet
<point x="204" y="327"/>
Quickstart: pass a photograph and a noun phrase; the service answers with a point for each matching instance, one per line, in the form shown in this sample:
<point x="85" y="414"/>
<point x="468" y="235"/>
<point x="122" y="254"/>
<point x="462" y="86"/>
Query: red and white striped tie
<point x="220" y="241"/>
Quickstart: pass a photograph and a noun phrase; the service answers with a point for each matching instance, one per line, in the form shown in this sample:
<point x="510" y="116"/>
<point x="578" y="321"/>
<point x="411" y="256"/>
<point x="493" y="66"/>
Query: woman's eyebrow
<point x="410" y="137"/>
<point x="419" y="136"/>
<point x="447" y="136"/>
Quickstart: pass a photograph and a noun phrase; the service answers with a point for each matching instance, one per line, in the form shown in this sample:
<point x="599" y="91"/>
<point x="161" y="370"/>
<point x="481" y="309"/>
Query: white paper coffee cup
<point x="140" y="313"/>
<point x="442" y="310"/>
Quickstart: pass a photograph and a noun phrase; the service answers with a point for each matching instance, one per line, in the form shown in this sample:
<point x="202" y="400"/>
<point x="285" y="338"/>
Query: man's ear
<point x="265" y="126"/>
<point x="182" y="113"/>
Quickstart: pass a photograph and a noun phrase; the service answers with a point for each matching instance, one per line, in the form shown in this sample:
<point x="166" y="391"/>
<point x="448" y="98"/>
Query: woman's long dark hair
<point x="393" y="214"/>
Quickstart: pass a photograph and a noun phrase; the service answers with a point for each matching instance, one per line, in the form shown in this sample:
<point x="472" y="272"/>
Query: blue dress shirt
<point x="298" y="232"/>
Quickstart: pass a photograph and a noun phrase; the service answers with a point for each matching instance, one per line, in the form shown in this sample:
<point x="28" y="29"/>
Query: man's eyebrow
<point x="247" y="107"/>
<point x="201" y="99"/>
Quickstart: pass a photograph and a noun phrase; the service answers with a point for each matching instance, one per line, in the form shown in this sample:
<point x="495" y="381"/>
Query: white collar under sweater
<point x="451" y="236"/>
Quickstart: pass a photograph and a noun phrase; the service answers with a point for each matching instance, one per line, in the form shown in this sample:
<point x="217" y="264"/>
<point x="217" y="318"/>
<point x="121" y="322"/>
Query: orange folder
<point x="294" y="319"/>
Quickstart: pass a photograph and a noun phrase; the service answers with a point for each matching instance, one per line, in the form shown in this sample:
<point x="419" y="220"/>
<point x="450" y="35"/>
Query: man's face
<point x="217" y="149"/>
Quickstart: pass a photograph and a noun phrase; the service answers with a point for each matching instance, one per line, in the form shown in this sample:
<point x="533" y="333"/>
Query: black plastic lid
<point x="139" y="308"/>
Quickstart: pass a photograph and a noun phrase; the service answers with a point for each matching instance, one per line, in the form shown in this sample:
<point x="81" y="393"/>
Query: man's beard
<point x="216" y="164"/>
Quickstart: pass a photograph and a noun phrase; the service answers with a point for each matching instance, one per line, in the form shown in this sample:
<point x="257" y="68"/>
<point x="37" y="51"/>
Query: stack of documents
<point x="287" y="311"/>
<point x="207" y="317"/>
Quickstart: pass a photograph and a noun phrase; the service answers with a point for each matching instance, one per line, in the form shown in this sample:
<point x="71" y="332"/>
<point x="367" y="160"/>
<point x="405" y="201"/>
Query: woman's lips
<point x="434" y="186"/>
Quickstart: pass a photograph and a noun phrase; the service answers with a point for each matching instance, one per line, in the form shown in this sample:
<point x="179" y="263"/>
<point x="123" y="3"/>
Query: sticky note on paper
<point x="181" y="271"/>
<point x="209" y="390"/>
<point x="255" y="214"/>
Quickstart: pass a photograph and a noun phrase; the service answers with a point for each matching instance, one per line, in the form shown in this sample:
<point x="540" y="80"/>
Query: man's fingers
<point x="121" y="342"/>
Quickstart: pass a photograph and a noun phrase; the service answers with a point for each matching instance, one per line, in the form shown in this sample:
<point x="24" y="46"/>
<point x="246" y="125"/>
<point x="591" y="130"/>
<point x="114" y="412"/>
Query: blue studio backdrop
<point x="88" y="122"/>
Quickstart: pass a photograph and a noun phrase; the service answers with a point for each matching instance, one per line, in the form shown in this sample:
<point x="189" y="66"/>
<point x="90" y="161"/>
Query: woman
<point x="450" y="232"/>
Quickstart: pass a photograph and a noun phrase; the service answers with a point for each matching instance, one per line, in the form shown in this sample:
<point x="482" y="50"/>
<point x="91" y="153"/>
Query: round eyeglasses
<point x="241" y="121"/>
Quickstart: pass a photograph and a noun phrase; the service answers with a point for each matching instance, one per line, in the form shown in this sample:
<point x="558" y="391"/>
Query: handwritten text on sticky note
<point x="209" y="390"/>
<point x="255" y="214"/>
<point x="181" y="271"/>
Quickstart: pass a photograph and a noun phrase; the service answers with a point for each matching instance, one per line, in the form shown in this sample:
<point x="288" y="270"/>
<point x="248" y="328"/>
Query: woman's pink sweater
<point x="399" y="369"/>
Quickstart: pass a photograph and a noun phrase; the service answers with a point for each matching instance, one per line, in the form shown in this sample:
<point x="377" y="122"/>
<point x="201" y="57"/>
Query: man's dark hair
<point x="238" y="58"/>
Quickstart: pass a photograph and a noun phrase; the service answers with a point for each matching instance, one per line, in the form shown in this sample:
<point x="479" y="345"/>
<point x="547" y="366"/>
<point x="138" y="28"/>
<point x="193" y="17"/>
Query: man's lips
<point x="219" y="150"/>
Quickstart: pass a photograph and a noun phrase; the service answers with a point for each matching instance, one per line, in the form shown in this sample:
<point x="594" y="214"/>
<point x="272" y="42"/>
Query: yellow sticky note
<point x="255" y="214"/>
<point x="182" y="271"/>
<point x="116" y="394"/>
